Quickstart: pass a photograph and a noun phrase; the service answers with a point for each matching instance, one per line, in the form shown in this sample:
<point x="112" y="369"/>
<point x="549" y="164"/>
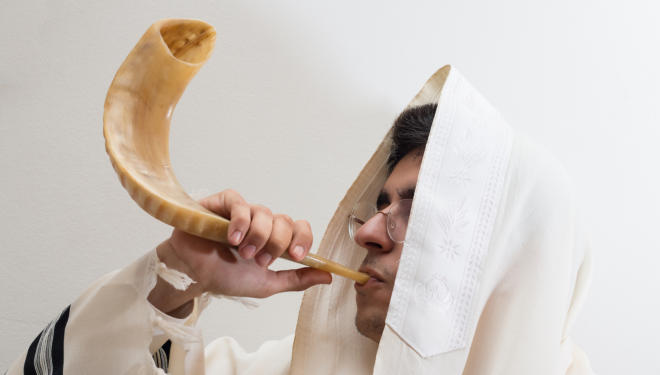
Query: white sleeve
<point x="113" y="329"/>
<point x="225" y="356"/>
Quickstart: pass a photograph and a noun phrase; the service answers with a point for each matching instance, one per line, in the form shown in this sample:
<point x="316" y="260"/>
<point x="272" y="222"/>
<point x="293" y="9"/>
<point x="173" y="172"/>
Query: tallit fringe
<point x="177" y="279"/>
<point x="245" y="301"/>
<point x="178" y="332"/>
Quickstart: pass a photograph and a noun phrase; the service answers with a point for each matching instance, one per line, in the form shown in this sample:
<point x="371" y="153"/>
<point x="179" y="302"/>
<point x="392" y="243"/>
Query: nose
<point x="373" y="236"/>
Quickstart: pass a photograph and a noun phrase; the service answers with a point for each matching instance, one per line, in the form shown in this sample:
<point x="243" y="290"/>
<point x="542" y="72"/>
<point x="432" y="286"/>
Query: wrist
<point x="164" y="296"/>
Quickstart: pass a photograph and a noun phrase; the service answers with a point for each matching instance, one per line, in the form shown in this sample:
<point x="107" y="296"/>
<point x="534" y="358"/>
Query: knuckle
<point x="240" y="209"/>
<point x="257" y="237"/>
<point x="279" y="242"/>
<point x="303" y="229"/>
<point x="275" y="248"/>
<point x="285" y="218"/>
<point x="304" y="224"/>
<point x="233" y="196"/>
<point x="240" y="220"/>
<point x="229" y="192"/>
<point x="262" y="209"/>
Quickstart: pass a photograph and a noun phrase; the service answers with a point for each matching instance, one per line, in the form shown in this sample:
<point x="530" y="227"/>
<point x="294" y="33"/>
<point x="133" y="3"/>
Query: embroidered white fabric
<point x="457" y="196"/>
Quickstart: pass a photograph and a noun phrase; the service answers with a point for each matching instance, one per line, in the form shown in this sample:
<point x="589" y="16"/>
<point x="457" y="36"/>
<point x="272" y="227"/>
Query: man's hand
<point x="260" y="238"/>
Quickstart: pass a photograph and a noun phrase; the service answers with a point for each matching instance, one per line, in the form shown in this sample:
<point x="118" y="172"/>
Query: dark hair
<point x="411" y="131"/>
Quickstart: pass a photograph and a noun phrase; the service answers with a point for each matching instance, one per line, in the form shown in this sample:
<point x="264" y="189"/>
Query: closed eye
<point x="408" y="193"/>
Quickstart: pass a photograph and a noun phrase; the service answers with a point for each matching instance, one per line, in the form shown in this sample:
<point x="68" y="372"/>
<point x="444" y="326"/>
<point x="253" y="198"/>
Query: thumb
<point x="298" y="279"/>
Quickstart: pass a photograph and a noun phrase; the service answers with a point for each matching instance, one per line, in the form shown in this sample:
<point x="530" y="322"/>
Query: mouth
<point x="374" y="276"/>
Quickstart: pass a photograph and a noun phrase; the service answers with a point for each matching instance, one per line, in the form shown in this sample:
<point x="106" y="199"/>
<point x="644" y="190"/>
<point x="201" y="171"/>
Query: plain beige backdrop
<point x="292" y="103"/>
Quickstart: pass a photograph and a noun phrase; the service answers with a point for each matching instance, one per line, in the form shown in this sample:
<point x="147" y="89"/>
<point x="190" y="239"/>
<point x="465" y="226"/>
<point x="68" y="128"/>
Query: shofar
<point x="136" y="126"/>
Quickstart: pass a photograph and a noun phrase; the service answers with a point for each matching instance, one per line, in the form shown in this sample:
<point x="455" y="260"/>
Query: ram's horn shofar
<point x="136" y="126"/>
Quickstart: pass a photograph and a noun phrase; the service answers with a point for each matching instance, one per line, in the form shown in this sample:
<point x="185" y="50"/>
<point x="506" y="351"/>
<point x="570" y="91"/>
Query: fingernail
<point x="236" y="237"/>
<point x="248" y="251"/>
<point x="298" y="251"/>
<point x="263" y="259"/>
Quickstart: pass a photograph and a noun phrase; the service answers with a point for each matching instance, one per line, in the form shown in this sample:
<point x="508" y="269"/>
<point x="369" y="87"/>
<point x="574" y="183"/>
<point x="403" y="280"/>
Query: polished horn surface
<point x="136" y="126"/>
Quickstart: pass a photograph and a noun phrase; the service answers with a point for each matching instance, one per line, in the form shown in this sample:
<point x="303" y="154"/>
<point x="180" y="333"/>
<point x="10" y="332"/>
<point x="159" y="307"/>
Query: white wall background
<point x="294" y="100"/>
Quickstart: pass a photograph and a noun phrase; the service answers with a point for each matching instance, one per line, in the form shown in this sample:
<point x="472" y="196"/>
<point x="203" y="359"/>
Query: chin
<point x="370" y="325"/>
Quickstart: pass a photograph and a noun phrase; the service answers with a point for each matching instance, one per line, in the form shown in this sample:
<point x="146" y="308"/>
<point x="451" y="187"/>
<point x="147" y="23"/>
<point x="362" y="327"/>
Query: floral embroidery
<point x="469" y="154"/>
<point x="453" y="223"/>
<point x="434" y="292"/>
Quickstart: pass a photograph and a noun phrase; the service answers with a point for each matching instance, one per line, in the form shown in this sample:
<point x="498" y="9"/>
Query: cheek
<point x="391" y="263"/>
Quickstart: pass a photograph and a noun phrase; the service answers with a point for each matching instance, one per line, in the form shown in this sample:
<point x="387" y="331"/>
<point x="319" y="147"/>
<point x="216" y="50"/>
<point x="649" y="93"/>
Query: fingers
<point x="256" y="232"/>
<point x="302" y="239"/>
<point x="296" y="280"/>
<point x="260" y="230"/>
<point x="279" y="240"/>
<point x="296" y="237"/>
<point x="239" y="224"/>
<point x="231" y="205"/>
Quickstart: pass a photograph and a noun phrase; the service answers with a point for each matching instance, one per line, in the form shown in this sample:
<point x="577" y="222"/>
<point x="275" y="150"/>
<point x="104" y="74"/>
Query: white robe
<point x="113" y="329"/>
<point x="492" y="275"/>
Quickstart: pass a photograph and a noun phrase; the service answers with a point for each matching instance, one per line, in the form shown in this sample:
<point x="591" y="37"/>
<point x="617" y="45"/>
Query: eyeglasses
<point x="397" y="218"/>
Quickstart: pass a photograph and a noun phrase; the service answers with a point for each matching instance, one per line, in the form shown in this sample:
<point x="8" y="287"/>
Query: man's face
<point x="383" y="254"/>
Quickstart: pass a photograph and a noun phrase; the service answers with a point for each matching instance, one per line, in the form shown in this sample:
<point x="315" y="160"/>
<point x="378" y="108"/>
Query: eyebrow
<point x="384" y="198"/>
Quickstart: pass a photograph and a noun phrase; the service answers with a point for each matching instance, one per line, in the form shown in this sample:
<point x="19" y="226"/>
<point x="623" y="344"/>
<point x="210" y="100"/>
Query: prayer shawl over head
<point x="494" y="267"/>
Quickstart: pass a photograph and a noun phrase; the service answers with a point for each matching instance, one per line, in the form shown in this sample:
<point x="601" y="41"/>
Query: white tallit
<point x="494" y="268"/>
<point x="491" y="277"/>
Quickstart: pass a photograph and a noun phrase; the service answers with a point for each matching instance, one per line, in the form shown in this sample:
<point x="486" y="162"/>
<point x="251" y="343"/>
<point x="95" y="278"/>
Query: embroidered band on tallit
<point x="456" y="200"/>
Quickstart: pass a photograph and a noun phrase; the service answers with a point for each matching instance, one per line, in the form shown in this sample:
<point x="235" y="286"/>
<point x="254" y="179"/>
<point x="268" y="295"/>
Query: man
<point x="482" y="273"/>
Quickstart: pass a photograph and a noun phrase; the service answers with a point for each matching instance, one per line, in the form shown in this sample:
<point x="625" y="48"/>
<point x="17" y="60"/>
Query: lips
<point x="375" y="282"/>
<point x="373" y="274"/>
